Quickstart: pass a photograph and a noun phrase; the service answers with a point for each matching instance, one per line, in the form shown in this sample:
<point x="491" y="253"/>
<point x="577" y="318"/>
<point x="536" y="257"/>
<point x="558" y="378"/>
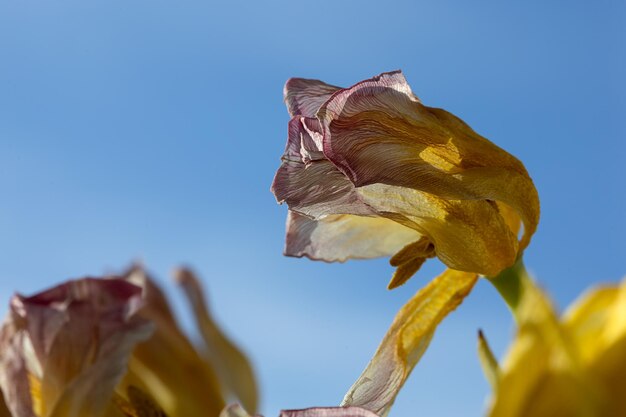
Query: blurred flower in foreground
<point x="111" y="347"/>
<point x="574" y="366"/>
<point x="370" y="171"/>
<point x="236" y="411"/>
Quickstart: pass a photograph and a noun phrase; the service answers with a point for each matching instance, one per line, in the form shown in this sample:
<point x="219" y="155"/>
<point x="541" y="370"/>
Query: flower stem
<point x="510" y="284"/>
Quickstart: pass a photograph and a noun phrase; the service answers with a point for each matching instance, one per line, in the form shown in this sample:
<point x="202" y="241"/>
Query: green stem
<point x="510" y="284"/>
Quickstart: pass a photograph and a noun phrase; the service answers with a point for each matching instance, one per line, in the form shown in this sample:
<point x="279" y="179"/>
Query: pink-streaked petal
<point x="309" y="183"/>
<point x="378" y="132"/>
<point x="231" y="365"/>
<point x="328" y="412"/>
<point x="74" y="340"/>
<point x="304" y="97"/>
<point x="406" y="341"/>
<point x="342" y="237"/>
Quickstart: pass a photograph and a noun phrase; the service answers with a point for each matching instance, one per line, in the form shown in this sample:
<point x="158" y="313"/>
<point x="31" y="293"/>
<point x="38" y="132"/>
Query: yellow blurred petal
<point x="488" y="362"/>
<point x="231" y="365"/>
<point x="167" y="365"/>
<point x="234" y="410"/>
<point x="598" y="319"/>
<point x="541" y="374"/>
<point x="407" y="340"/>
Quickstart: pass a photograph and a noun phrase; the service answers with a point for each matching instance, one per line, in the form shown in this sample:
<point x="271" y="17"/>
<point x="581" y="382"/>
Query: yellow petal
<point x="231" y="365"/>
<point x="488" y="362"/>
<point x="407" y="340"/>
<point x="542" y="374"/>
<point x="167" y="366"/>
<point x="597" y="324"/>
<point x="467" y="235"/>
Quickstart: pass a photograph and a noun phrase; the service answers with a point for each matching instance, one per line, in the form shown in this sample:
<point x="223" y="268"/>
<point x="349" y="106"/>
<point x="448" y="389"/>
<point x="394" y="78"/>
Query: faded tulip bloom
<point x="370" y="171"/>
<point x="112" y="347"/>
<point x="571" y="366"/>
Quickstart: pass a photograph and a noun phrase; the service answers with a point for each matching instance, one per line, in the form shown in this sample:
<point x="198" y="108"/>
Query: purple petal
<point x="304" y="97"/>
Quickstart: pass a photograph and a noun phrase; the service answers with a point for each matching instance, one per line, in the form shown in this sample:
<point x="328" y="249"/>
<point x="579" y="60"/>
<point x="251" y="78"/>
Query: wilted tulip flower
<point x="370" y="171"/>
<point x="111" y="347"/>
<point x="572" y="366"/>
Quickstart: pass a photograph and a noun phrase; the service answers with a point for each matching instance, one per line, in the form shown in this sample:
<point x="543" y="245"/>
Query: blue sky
<point x="151" y="130"/>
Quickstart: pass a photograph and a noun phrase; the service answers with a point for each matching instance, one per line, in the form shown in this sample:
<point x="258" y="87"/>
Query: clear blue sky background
<point x="151" y="130"/>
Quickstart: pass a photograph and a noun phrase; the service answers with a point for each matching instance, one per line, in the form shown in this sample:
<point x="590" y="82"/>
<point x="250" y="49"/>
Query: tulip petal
<point x="341" y="237"/>
<point x="377" y="132"/>
<point x="167" y="366"/>
<point x="304" y="97"/>
<point x="328" y="412"/>
<point x="407" y="340"/>
<point x="231" y="365"/>
<point x="69" y="346"/>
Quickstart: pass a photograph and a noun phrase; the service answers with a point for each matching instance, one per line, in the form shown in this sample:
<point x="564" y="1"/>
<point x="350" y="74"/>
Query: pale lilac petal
<point x="75" y="339"/>
<point x="304" y="97"/>
<point x="343" y="237"/>
<point x="328" y="412"/>
<point x="309" y="183"/>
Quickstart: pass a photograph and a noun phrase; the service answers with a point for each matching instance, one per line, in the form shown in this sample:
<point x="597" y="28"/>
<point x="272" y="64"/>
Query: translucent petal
<point x="231" y="365"/>
<point x="407" y="340"/>
<point x="341" y="237"/>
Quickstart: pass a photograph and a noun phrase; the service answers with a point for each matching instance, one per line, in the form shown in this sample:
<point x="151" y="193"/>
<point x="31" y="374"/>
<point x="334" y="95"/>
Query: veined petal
<point x="69" y="347"/>
<point x="341" y="237"/>
<point x="231" y="365"/>
<point x="377" y="132"/>
<point x="467" y="235"/>
<point x="407" y="340"/>
<point x="167" y="366"/>
<point x="304" y="97"/>
<point x="328" y="412"/>
<point x="308" y="182"/>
